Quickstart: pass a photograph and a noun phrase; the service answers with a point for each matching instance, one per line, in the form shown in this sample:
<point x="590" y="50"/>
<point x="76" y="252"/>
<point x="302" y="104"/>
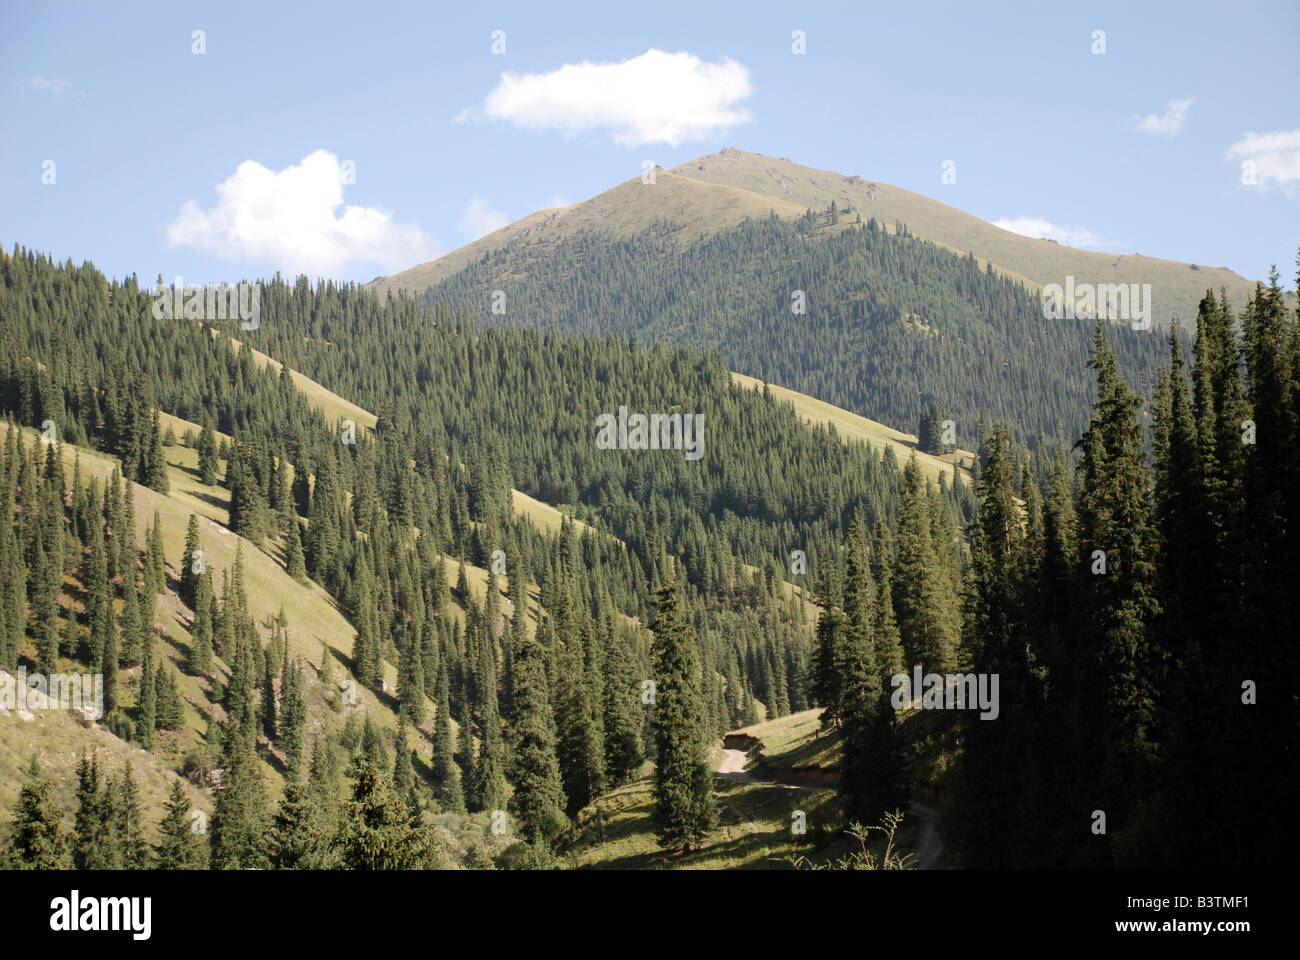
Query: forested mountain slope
<point x="881" y="324"/>
<point x="1176" y="287"/>
<point x="405" y="537"/>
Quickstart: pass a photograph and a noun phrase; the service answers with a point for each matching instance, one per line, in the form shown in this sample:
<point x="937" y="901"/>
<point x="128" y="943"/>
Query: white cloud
<point x="1275" y="157"/>
<point x="42" y="83"/>
<point x="1168" y="123"/>
<point x="557" y="200"/>
<point x="657" y="97"/>
<point x="290" y="218"/>
<point x="479" y="219"/>
<point x="1038" y="227"/>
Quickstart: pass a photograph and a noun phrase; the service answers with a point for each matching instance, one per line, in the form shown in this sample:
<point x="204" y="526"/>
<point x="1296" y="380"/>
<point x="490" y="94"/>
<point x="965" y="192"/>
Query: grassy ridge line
<point x="699" y="207"/>
<point x="851" y="426"/>
<point x="1176" y="287"/>
<point x="336" y="409"/>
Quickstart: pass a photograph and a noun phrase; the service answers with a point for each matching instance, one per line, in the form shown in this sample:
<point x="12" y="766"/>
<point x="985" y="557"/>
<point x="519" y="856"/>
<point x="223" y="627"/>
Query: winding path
<point x="929" y="845"/>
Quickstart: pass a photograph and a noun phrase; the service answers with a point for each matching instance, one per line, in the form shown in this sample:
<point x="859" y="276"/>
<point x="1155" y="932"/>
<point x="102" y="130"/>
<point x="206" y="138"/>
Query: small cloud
<point x="657" y="97"/>
<point x="290" y="219"/>
<point x="1040" y="228"/>
<point x="1167" y="124"/>
<point x="557" y="200"/>
<point x="52" y="86"/>
<point x="1274" y="158"/>
<point x="479" y="219"/>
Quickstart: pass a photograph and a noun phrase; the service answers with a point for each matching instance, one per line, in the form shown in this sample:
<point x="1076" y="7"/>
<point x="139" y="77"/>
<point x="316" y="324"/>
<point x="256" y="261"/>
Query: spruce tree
<point x="91" y="837"/>
<point x="446" y="772"/>
<point x="178" y="846"/>
<point x="827" y="686"/>
<point x="1115" y="527"/>
<point x="148" y="714"/>
<point x="299" y="837"/>
<point x="130" y="822"/>
<point x="684" y="810"/>
<point x="198" y="659"/>
<point x="534" y="770"/>
<point x="207" y="450"/>
<point x="293" y="718"/>
<point x="239" y="818"/>
<point x="190" y="563"/>
<point x="403" y="771"/>
<point x="624" y="715"/>
<point x="295" y="563"/>
<point x="376" y="831"/>
<point x="36" y="839"/>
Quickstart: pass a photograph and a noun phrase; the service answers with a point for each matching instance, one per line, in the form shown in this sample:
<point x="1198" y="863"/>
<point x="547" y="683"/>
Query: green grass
<point x="851" y="426"/>
<point x="793" y="741"/>
<point x="630" y="843"/>
<point x="314" y="617"/>
<point x="57" y="740"/>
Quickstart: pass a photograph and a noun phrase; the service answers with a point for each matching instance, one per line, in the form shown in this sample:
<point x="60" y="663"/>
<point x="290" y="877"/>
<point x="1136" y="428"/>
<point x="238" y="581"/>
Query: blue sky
<point x="232" y="163"/>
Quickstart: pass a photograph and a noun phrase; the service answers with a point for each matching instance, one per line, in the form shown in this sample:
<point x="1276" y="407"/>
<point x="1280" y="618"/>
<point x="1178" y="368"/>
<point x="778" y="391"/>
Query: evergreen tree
<point x="1115" y="526"/>
<point x="293" y="718"/>
<point x="207" y="449"/>
<point x="198" y="659"/>
<point x="179" y="847"/>
<point x="827" y="681"/>
<point x="376" y="832"/>
<point x="171" y="710"/>
<point x="624" y="750"/>
<point x="925" y="598"/>
<point x="684" y="809"/>
<point x="36" y="839"/>
<point x="295" y="563"/>
<point x="300" y="835"/>
<point x="884" y="626"/>
<point x="92" y="839"/>
<point x="446" y="772"/>
<point x="239" y="818"/>
<point x="581" y="742"/>
<point x="148" y="719"/>
<point x="129" y="828"/>
<point x="270" y="714"/>
<point x="534" y="770"/>
<point x="190" y="563"/>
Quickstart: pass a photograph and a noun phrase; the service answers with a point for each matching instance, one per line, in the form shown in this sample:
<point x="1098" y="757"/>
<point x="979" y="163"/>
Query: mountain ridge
<point x="753" y="185"/>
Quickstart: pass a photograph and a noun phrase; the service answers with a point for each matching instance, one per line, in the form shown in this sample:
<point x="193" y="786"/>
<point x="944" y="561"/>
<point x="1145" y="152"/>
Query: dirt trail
<point x="928" y="842"/>
<point x="733" y="766"/>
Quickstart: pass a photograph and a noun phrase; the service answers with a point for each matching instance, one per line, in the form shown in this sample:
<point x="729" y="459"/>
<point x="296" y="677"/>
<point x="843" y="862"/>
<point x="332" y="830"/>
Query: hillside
<point x="314" y="619"/>
<point x="878" y="323"/>
<point x="696" y="208"/>
<point x="733" y="184"/>
<point x="852" y="427"/>
<point x="1175" y="287"/>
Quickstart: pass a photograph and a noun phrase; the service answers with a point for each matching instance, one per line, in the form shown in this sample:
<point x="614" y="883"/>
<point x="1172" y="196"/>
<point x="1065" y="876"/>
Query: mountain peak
<point x="719" y="190"/>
